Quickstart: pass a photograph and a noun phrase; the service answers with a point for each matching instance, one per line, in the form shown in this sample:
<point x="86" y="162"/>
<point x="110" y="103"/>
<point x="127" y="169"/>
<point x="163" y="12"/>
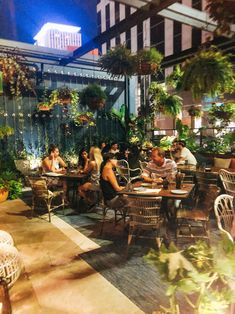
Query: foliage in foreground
<point x="204" y="275"/>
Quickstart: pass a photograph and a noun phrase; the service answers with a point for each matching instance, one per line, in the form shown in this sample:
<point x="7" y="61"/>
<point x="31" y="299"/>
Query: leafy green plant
<point x="194" y="111"/>
<point x="84" y="118"/>
<point x="93" y="96"/>
<point x="162" y="101"/>
<point x="175" y="78"/>
<point x="118" y="61"/>
<point x="203" y="275"/>
<point x="208" y="72"/>
<point x="12" y="183"/>
<point x="6" y="131"/>
<point x="17" y="77"/>
<point x="223" y="113"/>
<point x="148" y="61"/>
<point x="166" y="142"/>
<point x="64" y="95"/>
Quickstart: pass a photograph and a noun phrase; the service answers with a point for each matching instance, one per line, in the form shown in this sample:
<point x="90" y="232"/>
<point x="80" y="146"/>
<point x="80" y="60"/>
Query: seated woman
<point x="93" y="169"/>
<point x="53" y="162"/>
<point x="83" y="160"/>
<point x="109" y="184"/>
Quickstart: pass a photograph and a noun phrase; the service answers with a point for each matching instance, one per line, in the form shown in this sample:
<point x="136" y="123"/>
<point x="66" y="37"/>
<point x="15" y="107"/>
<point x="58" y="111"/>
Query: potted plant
<point x="6" y="131"/>
<point x="194" y="112"/>
<point x="164" y="102"/>
<point x="222" y="113"/>
<point x="64" y="96"/>
<point x="84" y="118"/>
<point x="4" y="190"/>
<point x="93" y="96"/>
<point x="208" y="72"/>
<point x="118" y="61"/>
<point x="175" y="78"/>
<point x="44" y="106"/>
<point x="11" y="184"/>
<point x="16" y="76"/>
<point x="148" y="61"/>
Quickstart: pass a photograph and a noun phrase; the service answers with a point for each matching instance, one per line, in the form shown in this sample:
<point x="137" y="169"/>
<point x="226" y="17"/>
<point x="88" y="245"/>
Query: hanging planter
<point x="208" y="72"/>
<point x="223" y="113"/>
<point x="15" y="78"/>
<point x="44" y="106"/>
<point x="118" y="61"/>
<point x="93" y="97"/>
<point x="64" y="96"/>
<point x="194" y="112"/>
<point x="148" y="61"/>
<point x="84" y="118"/>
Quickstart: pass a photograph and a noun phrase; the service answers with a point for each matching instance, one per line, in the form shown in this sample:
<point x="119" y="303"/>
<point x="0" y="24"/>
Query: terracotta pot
<point x="147" y="68"/>
<point x="3" y="194"/>
<point x="44" y="108"/>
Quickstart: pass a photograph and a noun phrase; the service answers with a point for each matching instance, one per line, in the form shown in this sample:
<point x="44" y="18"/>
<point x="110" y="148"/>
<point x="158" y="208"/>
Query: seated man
<point x="114" y="148"/>
<point x="185" y="154"/>
<point x="159" y="167"/>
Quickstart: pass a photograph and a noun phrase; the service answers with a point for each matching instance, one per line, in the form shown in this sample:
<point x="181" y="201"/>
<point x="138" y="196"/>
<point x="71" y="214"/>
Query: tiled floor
<point x="55" y="279"/>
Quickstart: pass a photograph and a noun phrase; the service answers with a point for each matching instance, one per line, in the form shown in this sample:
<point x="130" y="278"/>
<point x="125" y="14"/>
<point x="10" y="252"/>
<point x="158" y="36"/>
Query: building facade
<point x="59" y="36"/>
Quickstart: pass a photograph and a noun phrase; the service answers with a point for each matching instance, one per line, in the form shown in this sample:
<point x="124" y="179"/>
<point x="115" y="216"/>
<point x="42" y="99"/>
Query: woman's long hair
<point x="81" y="161"/>
<point x="96" y="155"/>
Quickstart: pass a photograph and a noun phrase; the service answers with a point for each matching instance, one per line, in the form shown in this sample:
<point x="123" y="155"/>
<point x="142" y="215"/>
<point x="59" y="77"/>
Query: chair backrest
<point x="228" y="180"/>
<point x="123" y="169"/>
<point x="143" y="165"/>
<point x="224" y="213"/>
<point x="205" y="178"/>
<point x="205" y="197"/>
<point x="145" y="210"/>
<point x="39" y="187"/>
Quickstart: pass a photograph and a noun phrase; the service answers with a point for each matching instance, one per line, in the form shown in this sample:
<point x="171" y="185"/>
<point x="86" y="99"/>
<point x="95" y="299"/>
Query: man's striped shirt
<point x="167" y="170"/>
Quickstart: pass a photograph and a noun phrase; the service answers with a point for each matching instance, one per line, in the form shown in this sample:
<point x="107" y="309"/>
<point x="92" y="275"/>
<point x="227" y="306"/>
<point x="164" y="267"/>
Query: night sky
<point x="21" y="19"/>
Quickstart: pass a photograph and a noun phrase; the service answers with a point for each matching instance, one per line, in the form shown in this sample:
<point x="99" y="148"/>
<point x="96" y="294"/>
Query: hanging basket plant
<point x="194" y="112"/>
<point x="148" y="61"/>
<point x="223" y="113"/>
<point x="208" y="72"/>
<point x="44" y="106"/>
<point x="222" y="12"/>
<point x="6" y="131"/>
<point x="175" y="78"/>
<point x="64" y="96"/>
<point x="84" y="119"/>
<point x="118" y="61"/>
<point x="16" y="77"/>
<point x="93" y="97"/>
<point x="164" y="102"/>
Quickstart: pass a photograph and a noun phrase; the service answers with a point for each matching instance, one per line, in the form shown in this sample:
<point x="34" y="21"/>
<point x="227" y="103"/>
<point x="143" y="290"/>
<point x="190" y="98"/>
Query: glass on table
<point x="156" y="179"/>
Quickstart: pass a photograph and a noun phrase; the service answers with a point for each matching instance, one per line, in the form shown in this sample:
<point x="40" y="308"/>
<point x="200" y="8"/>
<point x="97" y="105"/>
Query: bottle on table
<point x="178" y="179"/>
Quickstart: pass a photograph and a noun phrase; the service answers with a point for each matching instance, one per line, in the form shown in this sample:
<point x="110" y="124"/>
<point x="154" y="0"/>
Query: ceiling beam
<point x="148" y="10"/>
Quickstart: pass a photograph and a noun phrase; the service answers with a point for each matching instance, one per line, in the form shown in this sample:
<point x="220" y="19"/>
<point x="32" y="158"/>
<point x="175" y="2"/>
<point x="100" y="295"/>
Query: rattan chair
<point x="143" y="165"/>
<point x="10" y="264"/>
<point x="5" y="237"/>
<point x="144" y="214"/>
<point x="228" y="180"/>
<point x="42" y="195"/>
<point x="194" y="223"/>
<point x="125" y="172"/>
<point x="224" y="213"/>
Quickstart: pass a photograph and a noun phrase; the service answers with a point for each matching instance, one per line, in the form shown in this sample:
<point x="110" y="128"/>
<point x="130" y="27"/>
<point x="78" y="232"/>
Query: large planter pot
<point x="147" y="68"/>
<point x="23" y="165"/>
<point x="3" y="194"/>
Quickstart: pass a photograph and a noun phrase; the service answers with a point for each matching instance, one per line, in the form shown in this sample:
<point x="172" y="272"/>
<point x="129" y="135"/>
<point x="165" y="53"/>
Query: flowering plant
<point x="84" y="118"/>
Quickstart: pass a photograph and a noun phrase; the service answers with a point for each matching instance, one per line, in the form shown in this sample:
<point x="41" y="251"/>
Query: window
<point x="107" y="16"/>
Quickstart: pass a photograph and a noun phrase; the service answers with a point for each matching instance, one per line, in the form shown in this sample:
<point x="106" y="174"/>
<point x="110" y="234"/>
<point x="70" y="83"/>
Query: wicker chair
<point x="5" y="237"/>
<point x="124" y="171"/>
<point x="224" y="213"/>
<point x="43" y="195"/>
<point x="10" y="264"/>
<point x="144" y="214"/>
<point x="194" y="223"/>
<point x="143" y="165"/>
<point x="228" y="180"/>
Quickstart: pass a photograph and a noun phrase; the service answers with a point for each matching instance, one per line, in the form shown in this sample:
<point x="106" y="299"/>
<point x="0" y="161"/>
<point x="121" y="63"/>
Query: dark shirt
<point x="107" y="189"/>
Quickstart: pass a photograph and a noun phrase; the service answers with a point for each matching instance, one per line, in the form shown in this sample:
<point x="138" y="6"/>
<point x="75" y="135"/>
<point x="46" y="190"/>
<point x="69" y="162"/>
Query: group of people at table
<point x="99" y="166"/>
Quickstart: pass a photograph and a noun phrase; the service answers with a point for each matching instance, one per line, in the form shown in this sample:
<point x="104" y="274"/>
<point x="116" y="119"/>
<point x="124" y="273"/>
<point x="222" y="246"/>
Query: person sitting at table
<point x="93" y="169"/>
<point x="83" y="160"/>
<point x="185" y="154"/>
<point x="114" y="148"/>
<point x="109" y="184"/>
<point x="175" y="151"/>
<point x="159" y="167"/>
<point x="53" y="162"/>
